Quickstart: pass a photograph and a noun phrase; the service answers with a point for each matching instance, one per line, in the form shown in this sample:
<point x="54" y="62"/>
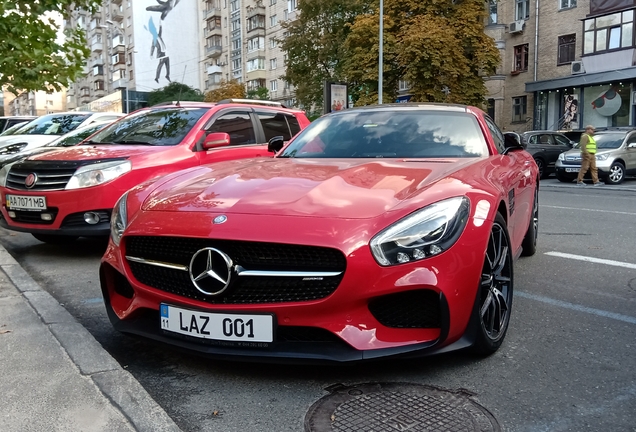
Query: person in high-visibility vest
<point x="588" y="157"/>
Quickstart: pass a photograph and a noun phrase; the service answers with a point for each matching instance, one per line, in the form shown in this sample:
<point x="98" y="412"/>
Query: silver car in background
<point x="615" y="157"/>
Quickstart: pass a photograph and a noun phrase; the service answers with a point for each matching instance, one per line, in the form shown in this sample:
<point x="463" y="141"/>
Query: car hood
<point x="31" y="140"/>
<point x="92" y="152"/>
<point x="345" y="188"/>
<point x="23" y="154"/>
<point x="575" y="152"/>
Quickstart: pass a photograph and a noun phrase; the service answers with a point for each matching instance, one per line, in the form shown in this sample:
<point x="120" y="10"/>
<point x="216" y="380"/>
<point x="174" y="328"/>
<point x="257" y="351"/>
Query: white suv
<point x="615" y="157"/>
<point x="47" y="128"/>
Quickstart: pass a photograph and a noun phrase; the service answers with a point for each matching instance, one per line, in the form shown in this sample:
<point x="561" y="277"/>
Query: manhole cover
<point x="388" y="407"/>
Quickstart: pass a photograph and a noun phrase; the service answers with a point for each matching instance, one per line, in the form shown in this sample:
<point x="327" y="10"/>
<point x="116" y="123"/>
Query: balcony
<point x="97" y="47"/>
<point x="214" y="70"/>
<point x="213" y="51"/>
<point x="255" y="10"/>
<point x="256" y="53"/>
<point x="258" y="74"/>
<point x="117" y="15"/>
<point x="215" y="31"/>
<point x="211" y="13"/>
<point x="116" y="1"/>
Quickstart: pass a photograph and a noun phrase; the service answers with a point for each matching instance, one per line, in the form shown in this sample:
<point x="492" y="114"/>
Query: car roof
<point x="254" y="103"/>
<point x="410" y="106"/>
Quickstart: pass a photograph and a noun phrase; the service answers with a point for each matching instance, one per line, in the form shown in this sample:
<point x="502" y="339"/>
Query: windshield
<point x="390" y="133"/>
<point x="77" y="136"/>
<point x="54" y="124"/>
<point x="158" y="127"/>
<point x="609" y="140"/>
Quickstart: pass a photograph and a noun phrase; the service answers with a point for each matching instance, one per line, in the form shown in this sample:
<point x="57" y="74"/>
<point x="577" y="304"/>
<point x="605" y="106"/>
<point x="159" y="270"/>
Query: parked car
<point x="7" y="122"/>
<point x="545" y="147"/>
<point x="47" y="128"/>
<point x="377" y="231"/>
<point x="70" y="139"/>
<point x="13" y="130"/>
<point x="615" y="157"/>
<point x="65" y="193"/>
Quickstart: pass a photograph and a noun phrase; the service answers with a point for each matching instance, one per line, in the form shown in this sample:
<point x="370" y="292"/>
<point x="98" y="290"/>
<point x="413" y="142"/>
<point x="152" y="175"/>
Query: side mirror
<point x="275" y="144"/>
<point x="216" y="139"/>
<point x="631" y="145"/>
<point x="513" y="141"/>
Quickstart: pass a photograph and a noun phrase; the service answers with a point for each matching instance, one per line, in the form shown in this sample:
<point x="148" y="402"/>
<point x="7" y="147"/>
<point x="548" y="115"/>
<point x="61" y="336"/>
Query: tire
<point x="563" y="178"/>
<point x="542" y="168"/>
<point x="616" y="174"/>
<point x="54" y="239"/>
<point x="529" y="244"/>
<point x="493" y="304"/>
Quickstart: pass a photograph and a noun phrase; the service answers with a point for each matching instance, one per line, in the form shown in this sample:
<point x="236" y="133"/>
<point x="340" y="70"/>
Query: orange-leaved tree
<point x="231" y="89"/>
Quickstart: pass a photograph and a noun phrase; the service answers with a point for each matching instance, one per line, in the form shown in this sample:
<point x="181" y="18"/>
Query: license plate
<point x="218" y="326"/>
<point x="571" y="170"/>
<point x="26" y="202"/>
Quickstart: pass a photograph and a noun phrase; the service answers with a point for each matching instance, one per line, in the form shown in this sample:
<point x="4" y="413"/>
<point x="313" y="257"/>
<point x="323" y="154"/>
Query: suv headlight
<point x="96" y="174"/>
<point x="602" y="157"/>
<point x="427" y="232"/>
<point x="119" y="219"/>
<point x="13" y="148"/>
<point x="561" y="157"/>
<point x="4" y="172"/>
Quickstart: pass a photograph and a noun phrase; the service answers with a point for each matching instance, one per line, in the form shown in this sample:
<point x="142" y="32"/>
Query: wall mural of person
<point x="158" y="45"/>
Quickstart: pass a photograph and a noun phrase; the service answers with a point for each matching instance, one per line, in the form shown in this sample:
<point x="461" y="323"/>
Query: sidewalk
<point x="55" y="375"/>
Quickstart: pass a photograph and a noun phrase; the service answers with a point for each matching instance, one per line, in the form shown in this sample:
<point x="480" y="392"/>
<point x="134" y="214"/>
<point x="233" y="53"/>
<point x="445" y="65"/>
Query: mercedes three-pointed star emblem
<point x="210" y="271"/>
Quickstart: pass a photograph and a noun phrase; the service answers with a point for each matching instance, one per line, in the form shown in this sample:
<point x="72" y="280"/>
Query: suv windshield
<point x="77" y="136"/>
<point x="609" y="140"/>
<point x="158" y="127"/>
<point x="54" y="124"/>
<point x="390" y="134"/>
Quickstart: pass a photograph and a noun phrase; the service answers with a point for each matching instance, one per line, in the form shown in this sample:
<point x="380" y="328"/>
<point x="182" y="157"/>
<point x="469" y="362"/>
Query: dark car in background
<point x="7" y="122"/>
<point x="545" y="147"/>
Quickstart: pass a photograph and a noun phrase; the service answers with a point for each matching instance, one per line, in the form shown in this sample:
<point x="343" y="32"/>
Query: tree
<point x="227" y="90"/>
<point x="439" y="47"/>
<point x="315" y="45"/>
<point x="31" y="57"/>
<point x="174" y="92"/>
<point x="258" y="93"/>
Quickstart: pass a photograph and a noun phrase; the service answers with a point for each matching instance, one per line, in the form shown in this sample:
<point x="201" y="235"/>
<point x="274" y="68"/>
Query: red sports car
<point x="378" y="231"/>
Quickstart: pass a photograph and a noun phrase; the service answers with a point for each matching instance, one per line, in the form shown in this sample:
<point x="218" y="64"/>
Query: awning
<point x="581" y="80"/>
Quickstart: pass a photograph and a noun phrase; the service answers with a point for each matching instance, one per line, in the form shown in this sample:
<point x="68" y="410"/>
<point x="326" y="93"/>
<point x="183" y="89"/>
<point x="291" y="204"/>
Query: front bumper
<point x="341" y="326"/>
<point x="570" y="168"/>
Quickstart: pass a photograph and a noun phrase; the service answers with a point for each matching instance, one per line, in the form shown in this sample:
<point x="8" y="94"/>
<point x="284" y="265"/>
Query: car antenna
<point x="181" y="88"/>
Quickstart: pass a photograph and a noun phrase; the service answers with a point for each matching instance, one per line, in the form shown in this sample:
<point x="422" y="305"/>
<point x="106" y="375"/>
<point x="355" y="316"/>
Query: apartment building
<point x="241" y="42"/>
<point x="565" y="63"/>
<point x="34" y="103"/>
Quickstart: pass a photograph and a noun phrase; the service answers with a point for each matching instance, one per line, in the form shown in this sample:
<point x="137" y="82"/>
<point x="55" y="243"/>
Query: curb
<point x="589" y="186"/>
<point x="121" y="389"/>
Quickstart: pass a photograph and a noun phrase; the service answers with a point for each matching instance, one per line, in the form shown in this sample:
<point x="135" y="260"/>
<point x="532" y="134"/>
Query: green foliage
<point x="258" y="93"/>
<point x="31" y="58"/>
<point x="436" y="45"/>
<point x="315" y="46"/>
<point x="227" y="90"/>
<point x="174" y="92"/>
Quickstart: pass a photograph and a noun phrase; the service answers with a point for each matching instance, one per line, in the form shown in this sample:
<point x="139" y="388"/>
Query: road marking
<point x="579" y="308"/>
<point x="585" y="209"/>
<point x="594" y="260"/>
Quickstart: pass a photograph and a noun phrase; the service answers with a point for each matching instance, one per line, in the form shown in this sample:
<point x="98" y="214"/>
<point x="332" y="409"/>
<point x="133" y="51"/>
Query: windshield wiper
<point x="133" y="142"/>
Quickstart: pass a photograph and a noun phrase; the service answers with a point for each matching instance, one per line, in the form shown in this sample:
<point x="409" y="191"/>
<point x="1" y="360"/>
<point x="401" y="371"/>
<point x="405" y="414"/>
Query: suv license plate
<point x="571" y="170"/>
<point x="217" y="326"/>
<point x="26" y="202"/>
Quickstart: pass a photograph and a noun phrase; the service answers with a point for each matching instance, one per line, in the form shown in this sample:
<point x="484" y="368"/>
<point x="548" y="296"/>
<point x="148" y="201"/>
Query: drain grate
<point x="388" y="407"/>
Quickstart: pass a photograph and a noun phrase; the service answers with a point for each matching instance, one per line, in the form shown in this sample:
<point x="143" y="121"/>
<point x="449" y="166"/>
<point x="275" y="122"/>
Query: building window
<point x="567" y="45"/>
<point x="490" y="107"/>
<point x="272" y="2"/>
<point x="567" y="4"/>
<point x="522" y="9"/>
<point x="403" y="85"/>
<point x="98" y="85"/>
<point x="234" y="5"/>
<point x="273" y="20"/>
<point x="119" y="58"/>
<point x="255" y="44"/>
<point x="492" y="12"/>
<point x="236" y="64"/>
<point x="292" y="5"/>
<point x="273" y="85"/>
<point x="519" y="108"/>
<point x="285" y="15"/>
<point x="521" y="58"/>
<point x="256" y="64"/>
<point x="273" y="43"/>
<point x="272" y="64"/>
<point x="608" y="32"/>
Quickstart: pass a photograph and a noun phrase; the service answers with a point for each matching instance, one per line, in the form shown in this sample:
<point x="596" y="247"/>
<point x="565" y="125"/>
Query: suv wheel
<point x="541" y="166"/>
<point x="616" y="173"/>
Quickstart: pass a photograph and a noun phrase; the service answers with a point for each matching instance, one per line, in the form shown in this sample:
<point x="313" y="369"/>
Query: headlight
<point x="427" y="232"/>
<point x="561" y="156"/>
<point x="4" y="172"/>
<point x="602" y="157"/>
<point x="13" y="148"/>
<point x="96" y="174"/>
<point x="119" y="219"/>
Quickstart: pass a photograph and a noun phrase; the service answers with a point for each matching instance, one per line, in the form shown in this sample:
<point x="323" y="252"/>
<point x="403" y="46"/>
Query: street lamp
<point x="381" y="52"/>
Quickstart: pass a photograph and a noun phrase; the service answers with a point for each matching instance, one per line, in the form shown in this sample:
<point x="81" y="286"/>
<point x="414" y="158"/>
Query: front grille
<point x="34" y="217"/>
<point x="76" y="220"/>
<point x="251" y="256"/>
<point x="409" y="309"/>
<point x="51" y="175"/>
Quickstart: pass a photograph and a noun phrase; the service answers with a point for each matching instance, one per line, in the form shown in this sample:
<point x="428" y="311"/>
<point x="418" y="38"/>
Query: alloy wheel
<point x="616" y="173"/>
<point x="539" y="163"/>
<point x="496" y="285"/>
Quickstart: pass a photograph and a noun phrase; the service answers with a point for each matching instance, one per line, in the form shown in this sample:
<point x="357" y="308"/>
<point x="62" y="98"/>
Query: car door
<point x="558" y="145"/>
<point x="630" y="154"/>
<point x="246" y="141"/>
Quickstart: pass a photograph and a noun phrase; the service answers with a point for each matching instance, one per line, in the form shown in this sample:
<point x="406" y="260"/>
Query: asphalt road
<point x="567" y="363"/>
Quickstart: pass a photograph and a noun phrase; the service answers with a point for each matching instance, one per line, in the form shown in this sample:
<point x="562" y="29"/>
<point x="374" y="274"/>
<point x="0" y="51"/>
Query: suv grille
<point x="51" y="175"/>
<point x="250" y="255"/>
